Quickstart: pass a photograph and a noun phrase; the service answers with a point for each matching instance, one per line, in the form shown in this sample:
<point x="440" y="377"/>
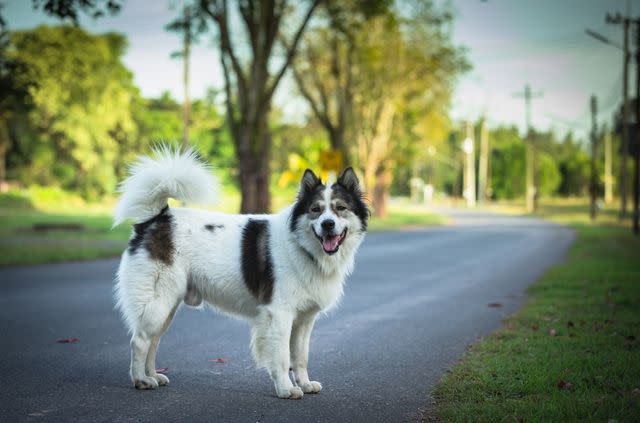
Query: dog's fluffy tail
<point x="169" y="173"/>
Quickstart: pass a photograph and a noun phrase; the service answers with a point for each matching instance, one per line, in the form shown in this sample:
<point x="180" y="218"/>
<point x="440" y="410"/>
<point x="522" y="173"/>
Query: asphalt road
<point x="416" y="300"/>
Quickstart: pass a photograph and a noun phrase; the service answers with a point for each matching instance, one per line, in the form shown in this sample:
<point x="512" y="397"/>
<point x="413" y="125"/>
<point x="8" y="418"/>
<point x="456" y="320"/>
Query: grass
<point x="571" y="353"/>
<point x="20" y="244"/>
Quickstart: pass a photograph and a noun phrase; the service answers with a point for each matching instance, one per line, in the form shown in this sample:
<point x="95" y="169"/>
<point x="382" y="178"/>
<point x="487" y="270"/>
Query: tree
<point x="323" y="69"/>
<point x="13" y="100"/>
<point x="402" y="64"/>
<point x="81" y="101"/>
<point x="250" y="84"/>
<point x="70" y="9"/>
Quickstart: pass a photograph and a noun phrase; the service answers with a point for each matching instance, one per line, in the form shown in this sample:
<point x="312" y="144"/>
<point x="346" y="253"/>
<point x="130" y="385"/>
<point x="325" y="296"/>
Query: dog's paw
<point x="312" y="387"/>
<point x="145" y="383"/>
<point x="291" y="393"/>
<point x="161" y="379"/>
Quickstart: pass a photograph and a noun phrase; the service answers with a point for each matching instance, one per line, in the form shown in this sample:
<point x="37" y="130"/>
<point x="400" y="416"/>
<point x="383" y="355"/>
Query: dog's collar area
<point x="331" y="243"/>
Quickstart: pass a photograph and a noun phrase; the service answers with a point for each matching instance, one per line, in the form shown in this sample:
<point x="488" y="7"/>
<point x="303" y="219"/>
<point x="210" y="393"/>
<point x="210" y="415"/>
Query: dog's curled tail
<point x="169" y="173"/>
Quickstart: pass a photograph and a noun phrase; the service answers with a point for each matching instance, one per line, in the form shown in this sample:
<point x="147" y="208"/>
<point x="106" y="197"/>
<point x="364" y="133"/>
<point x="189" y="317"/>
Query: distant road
<point x="416" y="300"/>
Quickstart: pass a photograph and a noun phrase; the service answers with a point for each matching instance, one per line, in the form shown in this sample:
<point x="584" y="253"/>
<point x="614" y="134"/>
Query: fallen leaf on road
<point x="564" y="385"/>
<point x="494" y="305"/>
<point x="217" y="360"/>
<point x="67" y="340"/>
<point x="162" y="370"/>
<point x="553" y="332"/>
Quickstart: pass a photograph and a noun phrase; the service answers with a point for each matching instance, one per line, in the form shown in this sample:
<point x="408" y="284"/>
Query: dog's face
<point x="326" y="217"/>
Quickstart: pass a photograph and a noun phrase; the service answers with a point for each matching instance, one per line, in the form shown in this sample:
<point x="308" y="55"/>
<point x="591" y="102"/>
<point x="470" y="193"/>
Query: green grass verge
<point x="20" y="244"/>
<point x="571" y="353"/>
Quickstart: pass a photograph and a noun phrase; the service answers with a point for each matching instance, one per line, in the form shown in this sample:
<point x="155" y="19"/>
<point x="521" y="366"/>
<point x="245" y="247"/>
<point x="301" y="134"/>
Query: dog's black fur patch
<point x="257" y="264"/>
<point x="212" y="227"/>
<point x="155" y="236"/>
<point x="311" y="187"/>
<point x="347" y="188"/>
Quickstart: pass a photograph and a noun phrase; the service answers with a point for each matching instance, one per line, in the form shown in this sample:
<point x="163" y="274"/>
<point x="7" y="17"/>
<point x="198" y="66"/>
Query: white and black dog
<point x="277" y="271"/>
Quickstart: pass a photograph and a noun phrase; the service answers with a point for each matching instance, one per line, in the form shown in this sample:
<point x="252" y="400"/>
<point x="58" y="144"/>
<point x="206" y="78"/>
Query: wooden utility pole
<point x="530" y="192"/>
<point x="608" y="166"/>
<point x="636" y="152"/>
<point x="470" y="177"/>
<point x="625" y="21"/>
<point x="483" y="171"/>
<point x="186" y="53"/>
<point x="593" y="185"/>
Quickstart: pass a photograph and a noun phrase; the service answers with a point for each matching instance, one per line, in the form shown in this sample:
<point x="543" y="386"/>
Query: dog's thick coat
<point x="277" y="271"/>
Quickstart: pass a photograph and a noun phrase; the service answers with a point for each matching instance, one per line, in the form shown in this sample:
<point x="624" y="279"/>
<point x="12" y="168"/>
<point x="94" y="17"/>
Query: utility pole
<point x="469" y="173"/>
<point x="483" y="171"/>
<point x="593" y="185"/>
<point x="625" y="21"/>
<point x="529" y="149"/>
<point x="636" y="174"/>
<point x="186" y="53"/>
<point x="608" y="179"/>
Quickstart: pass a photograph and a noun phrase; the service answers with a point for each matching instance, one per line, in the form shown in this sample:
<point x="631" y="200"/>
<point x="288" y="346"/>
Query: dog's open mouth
<point x="331" y="243"/>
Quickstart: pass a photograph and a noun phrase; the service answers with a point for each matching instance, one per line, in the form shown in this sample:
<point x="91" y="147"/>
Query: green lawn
<point x="20" y="244"/>
<point x="571" y="353"/>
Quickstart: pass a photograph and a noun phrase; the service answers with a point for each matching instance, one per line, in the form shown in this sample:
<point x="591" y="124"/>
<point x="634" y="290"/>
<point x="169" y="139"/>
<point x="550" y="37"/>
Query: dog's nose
<point x="328" y="225"/>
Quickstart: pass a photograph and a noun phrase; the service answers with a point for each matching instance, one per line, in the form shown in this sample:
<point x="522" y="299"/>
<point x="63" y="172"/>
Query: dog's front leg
<point x="270" y="345"/>
<point x="300" y="336"/>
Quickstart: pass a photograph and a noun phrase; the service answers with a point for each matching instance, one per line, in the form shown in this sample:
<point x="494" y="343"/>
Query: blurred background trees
<point x="377" y="78"/>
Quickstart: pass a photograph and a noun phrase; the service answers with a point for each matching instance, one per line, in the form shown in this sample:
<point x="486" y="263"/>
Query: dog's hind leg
<point x="144" y="342"/>
<point x="150" y="364"/>
<point x="300" y="336"/>
<point x="270" y="346"/>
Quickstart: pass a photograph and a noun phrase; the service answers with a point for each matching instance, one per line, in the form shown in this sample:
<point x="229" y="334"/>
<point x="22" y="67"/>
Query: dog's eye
<point x="340" y="207"/>
<point x="315" y="209"/>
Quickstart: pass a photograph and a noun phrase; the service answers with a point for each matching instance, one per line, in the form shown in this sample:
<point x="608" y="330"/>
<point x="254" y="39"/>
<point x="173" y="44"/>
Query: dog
<point x="277" y="271"/>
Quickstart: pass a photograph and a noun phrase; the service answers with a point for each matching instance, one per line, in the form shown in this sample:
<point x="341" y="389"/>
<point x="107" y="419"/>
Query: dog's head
<point x="328" y="217"/>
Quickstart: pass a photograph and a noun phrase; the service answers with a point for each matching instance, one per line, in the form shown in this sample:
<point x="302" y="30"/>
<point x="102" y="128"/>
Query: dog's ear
<point x="349" y="180"/>
<point x="309" y="181"/>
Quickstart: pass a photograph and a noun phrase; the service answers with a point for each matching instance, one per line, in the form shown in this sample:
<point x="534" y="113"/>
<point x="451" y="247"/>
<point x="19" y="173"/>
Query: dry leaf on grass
<point x="564" y="385"/>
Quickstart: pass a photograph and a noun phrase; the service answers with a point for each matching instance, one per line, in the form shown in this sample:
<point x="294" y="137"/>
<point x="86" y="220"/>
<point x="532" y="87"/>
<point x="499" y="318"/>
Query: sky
<point x="509" y="43"/>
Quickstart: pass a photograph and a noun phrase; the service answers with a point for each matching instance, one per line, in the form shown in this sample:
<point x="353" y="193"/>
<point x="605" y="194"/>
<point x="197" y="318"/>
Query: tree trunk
<point x="254" y="168"/>
<point x="336" y="139"/>
<point x="381" y="192"/>
<point x="4" y="146"/>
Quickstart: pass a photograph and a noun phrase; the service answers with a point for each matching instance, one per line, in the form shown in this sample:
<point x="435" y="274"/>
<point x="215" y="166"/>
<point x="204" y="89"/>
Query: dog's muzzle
<point x="331" y="243"/>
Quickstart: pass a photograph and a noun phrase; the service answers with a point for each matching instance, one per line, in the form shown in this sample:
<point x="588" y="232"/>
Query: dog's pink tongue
<point x="330" y="243"/>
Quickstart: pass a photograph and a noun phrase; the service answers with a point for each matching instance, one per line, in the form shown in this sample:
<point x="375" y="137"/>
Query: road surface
<point x="415" y="301"/>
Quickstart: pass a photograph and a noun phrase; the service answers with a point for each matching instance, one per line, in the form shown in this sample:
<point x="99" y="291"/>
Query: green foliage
<point x="507" y="163"/>
<point x="80" y="122"/>
<point x="549" y="176"/>
<point x="562" y="167"/>
<point x="75" y="120"/>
